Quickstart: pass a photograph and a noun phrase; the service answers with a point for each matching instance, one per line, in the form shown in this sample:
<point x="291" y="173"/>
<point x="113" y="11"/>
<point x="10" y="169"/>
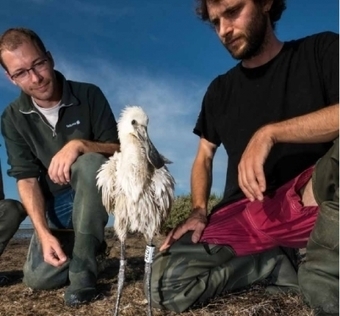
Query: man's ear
<point x="9" y="78"/>
<point x="267" y="6"/>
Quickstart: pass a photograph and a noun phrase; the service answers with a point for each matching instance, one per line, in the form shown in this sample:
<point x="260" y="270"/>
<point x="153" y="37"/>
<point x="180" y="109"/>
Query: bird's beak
<point x="151" y="152"/>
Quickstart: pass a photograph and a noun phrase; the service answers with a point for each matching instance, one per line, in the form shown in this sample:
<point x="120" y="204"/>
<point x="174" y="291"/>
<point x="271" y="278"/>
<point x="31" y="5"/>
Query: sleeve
<point x="23" y="164"/>
<point x="104" y="124"/>
<point x="328" y="54"/>
<point x="205" y="125"/>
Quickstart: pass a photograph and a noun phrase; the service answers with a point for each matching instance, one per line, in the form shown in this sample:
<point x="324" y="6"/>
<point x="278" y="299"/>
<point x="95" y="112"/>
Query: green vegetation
<point x="181" y="210"/>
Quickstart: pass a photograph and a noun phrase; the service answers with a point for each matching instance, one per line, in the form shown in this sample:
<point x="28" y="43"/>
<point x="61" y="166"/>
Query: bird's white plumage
<point x="139" y="194"/>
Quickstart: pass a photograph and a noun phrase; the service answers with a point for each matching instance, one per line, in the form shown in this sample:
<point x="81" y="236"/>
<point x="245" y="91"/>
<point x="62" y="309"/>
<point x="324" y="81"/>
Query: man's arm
<point x="316" y="127"/>
<point x="60" y="166"/>
<point x="201" y="179"/>
<point x="33" y="201"/>
<point x="86" y="146"/>
<point x="201" y="176"/>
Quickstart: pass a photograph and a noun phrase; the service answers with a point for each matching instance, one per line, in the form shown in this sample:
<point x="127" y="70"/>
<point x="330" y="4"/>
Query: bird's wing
<point x="106" y="181"/>
<point x="163" y="187"/>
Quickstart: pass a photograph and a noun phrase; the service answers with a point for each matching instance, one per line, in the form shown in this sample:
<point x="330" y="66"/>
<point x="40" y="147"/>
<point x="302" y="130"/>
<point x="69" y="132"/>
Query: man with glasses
<point x="57" y="134"/>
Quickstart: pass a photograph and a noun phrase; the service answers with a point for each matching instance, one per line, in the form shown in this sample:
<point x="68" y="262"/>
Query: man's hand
<point x="196" y="222"/>
<point x="60" y="166"/>
<point x="52" y="251"/>
<point x="251" y="177"/>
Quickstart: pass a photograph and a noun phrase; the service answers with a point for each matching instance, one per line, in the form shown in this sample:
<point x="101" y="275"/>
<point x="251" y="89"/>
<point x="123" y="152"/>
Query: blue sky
<point x="155" y="53"/>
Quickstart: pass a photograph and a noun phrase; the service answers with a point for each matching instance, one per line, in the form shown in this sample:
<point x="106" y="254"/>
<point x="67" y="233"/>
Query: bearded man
<point x="277" y="115"/>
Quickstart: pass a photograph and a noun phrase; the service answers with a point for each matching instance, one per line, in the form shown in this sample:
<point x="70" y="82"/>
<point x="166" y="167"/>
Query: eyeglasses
<point x="24" y="74"/>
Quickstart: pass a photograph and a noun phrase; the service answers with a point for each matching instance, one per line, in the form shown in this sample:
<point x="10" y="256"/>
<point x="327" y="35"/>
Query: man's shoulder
<point x="223" y="79"/>
<point x="79" y="92"/>
<point x="13" y="107"/>
<point x="326" y="35"/>
<point x="321" y="39"/>
<point x="81" y="86"/>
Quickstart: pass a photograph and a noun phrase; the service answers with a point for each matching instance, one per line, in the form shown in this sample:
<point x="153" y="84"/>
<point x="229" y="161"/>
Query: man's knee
<point x="12" y="213"/>
<point x="326" y="175"/>
<point x="319" y="274"/>
<point x="47" y="279"/>
<point x="186" y="274"/>
<point x="12" y="210"/>
<point x="87" y="165"/>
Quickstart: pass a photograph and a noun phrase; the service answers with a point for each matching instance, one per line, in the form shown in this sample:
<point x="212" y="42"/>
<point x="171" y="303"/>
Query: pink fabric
<point x="252" y="227"/>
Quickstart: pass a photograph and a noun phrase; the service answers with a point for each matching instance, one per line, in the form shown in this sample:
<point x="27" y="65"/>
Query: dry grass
<point x="18" y="300"/>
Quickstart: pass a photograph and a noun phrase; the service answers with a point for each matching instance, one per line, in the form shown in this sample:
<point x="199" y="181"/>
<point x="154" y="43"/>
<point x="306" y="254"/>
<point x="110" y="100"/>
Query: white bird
<point x="137" y="188"/>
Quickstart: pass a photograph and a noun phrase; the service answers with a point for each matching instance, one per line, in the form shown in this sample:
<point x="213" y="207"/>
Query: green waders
<point x="319" y="274"/>
<point x="190" y="273"/>
<point x="89" y="220"/>
<point x="12" y="213"/>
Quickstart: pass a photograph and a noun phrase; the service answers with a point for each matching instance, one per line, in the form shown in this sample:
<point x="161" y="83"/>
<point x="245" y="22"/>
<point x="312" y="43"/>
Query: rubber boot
<point x="83" y="270"/>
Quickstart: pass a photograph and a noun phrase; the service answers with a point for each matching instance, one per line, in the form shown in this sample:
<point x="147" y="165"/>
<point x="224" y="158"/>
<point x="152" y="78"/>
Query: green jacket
<point x="31" y="141"/>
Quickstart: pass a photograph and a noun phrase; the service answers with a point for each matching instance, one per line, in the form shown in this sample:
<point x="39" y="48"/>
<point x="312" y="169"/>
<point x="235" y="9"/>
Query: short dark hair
<point x="275" y="11"/>
<point x="14" y="37"/>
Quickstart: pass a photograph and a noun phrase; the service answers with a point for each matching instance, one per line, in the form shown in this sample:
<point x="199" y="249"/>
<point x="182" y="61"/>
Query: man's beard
<point x="254" y="36"/>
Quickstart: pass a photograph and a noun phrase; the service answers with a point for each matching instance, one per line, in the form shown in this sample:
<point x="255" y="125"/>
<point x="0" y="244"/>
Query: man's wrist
<point x="269" y="133"/>
<point x="199" y="210"/>
<point x="79" y="145"/>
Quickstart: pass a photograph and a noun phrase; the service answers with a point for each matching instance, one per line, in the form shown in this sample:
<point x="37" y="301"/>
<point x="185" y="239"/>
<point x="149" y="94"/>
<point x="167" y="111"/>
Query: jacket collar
<point x="68" y="99"/>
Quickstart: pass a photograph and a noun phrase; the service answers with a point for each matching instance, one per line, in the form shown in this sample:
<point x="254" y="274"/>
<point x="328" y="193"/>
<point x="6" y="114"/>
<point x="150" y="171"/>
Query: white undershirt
<point x="51" y="114"/>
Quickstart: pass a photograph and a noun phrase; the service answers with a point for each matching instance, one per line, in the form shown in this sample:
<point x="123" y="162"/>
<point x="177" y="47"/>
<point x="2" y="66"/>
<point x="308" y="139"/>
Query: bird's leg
<point x="149" y="254"/>
<point x="121" y="276"/>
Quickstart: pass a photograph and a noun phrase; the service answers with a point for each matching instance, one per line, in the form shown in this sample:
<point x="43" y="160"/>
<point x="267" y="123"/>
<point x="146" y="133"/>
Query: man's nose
<point x="225" y="28"/>
<point x="35" y="75"/>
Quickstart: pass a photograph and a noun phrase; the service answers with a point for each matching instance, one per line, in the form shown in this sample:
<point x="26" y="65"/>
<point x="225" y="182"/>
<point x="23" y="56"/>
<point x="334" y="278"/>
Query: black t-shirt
<point x="302" y="78"/>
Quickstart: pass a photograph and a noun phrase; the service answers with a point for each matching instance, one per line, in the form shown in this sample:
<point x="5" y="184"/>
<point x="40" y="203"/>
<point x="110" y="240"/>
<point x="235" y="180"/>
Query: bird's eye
<point x="133" y="122"/>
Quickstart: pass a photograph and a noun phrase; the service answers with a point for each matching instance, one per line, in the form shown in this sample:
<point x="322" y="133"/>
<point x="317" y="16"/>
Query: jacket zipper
<point x="44" y="121"/>
<point x="35" y="112"/>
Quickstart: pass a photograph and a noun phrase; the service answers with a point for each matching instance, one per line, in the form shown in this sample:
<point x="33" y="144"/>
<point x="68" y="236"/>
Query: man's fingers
<point x="252" y="181"/>
<point x="174" y="235"/>
<point x="59" y="173"/>
<point x="196" y="235"/>
<point x="53" y="253"/>
<point x="59" y="169"/>
<point x="60" y="255"/>
<point x="168" y="241"/>
<point x="67" y="173"/>
<point x="243" y="183"/>
<point x="195" y="223"/>
<point x="261" y="180"/>
<point x="255" y="181"/>
<point x="56" y="259"/>
<point x="180" y="231"/>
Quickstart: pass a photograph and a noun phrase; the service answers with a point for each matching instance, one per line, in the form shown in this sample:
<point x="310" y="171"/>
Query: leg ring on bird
<point x="149" y="253"/>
